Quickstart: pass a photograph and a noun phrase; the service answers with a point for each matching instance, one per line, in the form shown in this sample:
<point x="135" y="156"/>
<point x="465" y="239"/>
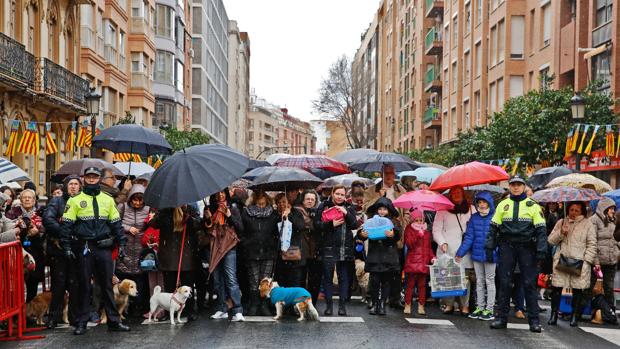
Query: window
<point x="110" y="34"/>
<point x="532" y="31"/>
<point x="467" y="28"/>
<point x="164" y="21"/>
<point x="165" y="113"/>
<point x="603" y="11"/>
<point x="455" y="31"/>
<point x="453" y="128"/>
<point x="467" y="121"/>
<point x="492" y="97"/>
<point x="454" y="77"/>
<point x="493" y="47"/>
<point x="467" y="65"/>
<point x="601" y="69"/>
<point x="164" y="68"/>
<point x="478" y="59"/>
<point x="445" y="77"/>
<point x="477" y="105"/>
<point x="446" y="35"/>
<point x="530" y="76"/>
<point x="546" y="32"/>
<point x="517" y="37"/>
<point x="516" y="86"/>
<point x="179" y="71"/>
<point x="478" y="11"/>
<point x="138" y="8"/>
<point x="501" y="40"/>
<point x="500" y="94"/>
<point x="136" y="62"/>
<point x="543" y="77"/>
<point x="86" y="15"/>
<point x="180" y="35"/>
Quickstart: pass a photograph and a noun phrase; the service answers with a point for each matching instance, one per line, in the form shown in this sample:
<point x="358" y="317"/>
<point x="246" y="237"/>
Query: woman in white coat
<point x="448" y="229"/>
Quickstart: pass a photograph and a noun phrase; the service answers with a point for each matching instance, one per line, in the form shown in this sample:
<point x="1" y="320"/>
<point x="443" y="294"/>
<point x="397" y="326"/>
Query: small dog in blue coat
<point x="282" y="296"/>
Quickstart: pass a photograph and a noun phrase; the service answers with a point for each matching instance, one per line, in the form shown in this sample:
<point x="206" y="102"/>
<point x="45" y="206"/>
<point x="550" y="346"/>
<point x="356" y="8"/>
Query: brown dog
<point x="40" y="305"/>
<point x="122" y="291"/>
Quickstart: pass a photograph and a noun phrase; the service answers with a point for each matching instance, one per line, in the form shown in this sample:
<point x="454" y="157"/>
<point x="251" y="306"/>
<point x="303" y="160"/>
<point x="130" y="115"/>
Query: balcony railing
<point x="110" y="54"/>
<point x="15" y="62"/>
<point x="434" y="8"/>
<point x="601" y="34"/>
<point x="431" y="114"/>
<point x="59" y="82"/>
<point x="139" y="25"/>
<point x="430" y="75"/>
<point x="140" y="80"/>
<point x="87" y="37"/>
<point x="432" y="42"/>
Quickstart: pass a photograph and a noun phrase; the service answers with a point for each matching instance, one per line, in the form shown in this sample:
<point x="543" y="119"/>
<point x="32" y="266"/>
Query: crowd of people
<point x="96" y="230"/>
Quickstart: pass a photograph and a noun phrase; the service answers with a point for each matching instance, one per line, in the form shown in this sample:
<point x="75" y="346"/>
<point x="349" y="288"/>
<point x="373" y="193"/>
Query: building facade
<point x="294" y="136"/>
<point x="238" y="86"/>
<point x="210" y="69"/>
<point x="39" y="79"/>
<point x="336" y="137"/>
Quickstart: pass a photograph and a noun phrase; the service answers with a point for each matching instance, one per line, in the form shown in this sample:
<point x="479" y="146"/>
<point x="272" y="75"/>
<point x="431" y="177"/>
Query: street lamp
<point x="92" y="107"/>
<point x="578" y="109"/>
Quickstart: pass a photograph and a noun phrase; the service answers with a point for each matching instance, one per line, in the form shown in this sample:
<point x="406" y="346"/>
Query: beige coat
<point x="607" y="246"/>
<point x="579" y="243"/>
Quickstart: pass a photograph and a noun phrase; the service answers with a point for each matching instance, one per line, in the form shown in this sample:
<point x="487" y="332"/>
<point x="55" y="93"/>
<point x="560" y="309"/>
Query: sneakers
<point x="519" y="314"/>
<point x="476" y="314"/>
<point x="238" y="318"/>
<point x="486" y="315"/>
<point x="220" y="315"/>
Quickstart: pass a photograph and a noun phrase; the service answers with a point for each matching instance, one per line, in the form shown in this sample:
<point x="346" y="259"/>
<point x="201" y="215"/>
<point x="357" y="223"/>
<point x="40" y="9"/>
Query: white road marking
<point x="512" y="326"/>
<point x="609" y="334"/>
<point x="259" y="319"/>
<point x="439" y="322"/>
<point x="341" y="319"/>
<point x="359" y="298"/>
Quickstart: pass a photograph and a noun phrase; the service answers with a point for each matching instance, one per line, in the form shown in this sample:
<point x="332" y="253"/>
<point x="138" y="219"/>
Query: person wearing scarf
<point x="419" y="256"/>
<point x="313" y="270"/>
<point x="222" y="221"/>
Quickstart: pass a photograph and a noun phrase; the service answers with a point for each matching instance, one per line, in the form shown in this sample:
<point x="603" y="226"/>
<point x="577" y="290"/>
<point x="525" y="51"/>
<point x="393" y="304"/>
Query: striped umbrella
<point x="565" y="194"/>
<point x="314" y="162"/>
<point x="9" y="172"/>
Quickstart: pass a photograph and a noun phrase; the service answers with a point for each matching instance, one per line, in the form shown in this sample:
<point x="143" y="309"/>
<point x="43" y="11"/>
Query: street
<point x="359" y="330"/>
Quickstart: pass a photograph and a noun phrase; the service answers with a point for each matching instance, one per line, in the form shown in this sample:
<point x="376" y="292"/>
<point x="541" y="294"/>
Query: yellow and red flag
<point x="30" y="142"/>
<point x="81" y="139"/>
<point x="71" y="140"/>
<point x="12" y="146"/>
<point x="157" y="163"/>
<point x="50" y="144"/>
<point x="88" y="139"/>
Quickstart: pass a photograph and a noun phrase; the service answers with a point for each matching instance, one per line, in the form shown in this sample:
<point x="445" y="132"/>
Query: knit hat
<point x="417" y="213"/>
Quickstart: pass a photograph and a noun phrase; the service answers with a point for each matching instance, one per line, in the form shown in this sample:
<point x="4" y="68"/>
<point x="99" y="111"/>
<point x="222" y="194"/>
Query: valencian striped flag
<point x="81" y="139"/>
<point x="12" y="146"/>
<point x="50" y="145"/>
<point x="30" y="142"/>
<point x="88" y="139"/>
<point x="71" y="140"/>
<point x="122" y="157"/>
<point x="157" y="163"/>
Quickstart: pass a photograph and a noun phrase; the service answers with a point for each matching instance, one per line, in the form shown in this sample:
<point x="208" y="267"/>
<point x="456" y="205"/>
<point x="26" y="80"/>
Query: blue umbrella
<point x="614" y="195"/>
<point x="423" y="174"/>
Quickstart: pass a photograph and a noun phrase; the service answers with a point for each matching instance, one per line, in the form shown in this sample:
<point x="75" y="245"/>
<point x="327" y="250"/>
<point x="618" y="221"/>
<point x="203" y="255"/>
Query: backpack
<point x="148" y="259"/>
<point x="607" y="314"/>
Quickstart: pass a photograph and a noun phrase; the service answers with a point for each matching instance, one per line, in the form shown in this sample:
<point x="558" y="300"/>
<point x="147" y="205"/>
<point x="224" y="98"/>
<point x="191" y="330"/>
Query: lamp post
<point x="578" y="109"/>
<point x="92" y="107"/>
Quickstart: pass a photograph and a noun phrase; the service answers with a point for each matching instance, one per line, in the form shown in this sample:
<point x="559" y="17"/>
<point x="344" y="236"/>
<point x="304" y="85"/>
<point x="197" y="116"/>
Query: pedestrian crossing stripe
<point x="438" y="322"/>
<point x="259" y="319"/>
<point x="176" y="323"/>
<point x="341" y="319"/>
<point x="358" y="298"/>
<point x="512" y="326"/>
<point x="66" y="326"/>
<point x="609" y="334"/>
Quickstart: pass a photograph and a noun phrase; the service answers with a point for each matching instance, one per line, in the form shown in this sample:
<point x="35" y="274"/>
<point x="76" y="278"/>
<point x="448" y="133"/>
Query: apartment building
<point x="210" y="69"/>
<point x="238" y="86"/>
<point x="293" y="135"/>
<point x="39" y="81"/>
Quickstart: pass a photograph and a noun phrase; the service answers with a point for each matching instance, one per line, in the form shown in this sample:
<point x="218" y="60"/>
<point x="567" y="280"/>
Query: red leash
<point x="181" y="255"/>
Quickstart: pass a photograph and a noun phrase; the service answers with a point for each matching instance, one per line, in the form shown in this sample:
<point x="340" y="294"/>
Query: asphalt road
<point x="360" y="331"/>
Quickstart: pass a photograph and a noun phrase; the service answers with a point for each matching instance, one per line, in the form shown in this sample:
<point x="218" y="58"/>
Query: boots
<point x="342" y="310"/>
<point x="254" y="300"/>
<point x="263" y="308"/>
<point x="381" y="307"/>
<point x="375" y="305"/>
<point x="555" y="305"/>
<point x="576" y="315"/>
<point x="329" y="307"/>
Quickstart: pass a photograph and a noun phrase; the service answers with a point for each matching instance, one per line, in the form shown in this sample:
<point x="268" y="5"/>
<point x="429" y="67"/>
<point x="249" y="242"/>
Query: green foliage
<point x="127" y="119"/>
<point x="183" y="139"/>
<point x="527" y="128"/>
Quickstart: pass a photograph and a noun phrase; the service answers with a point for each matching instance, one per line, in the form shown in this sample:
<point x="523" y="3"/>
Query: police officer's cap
<point x="517" y="179"/>
<point x="92" y="170"/>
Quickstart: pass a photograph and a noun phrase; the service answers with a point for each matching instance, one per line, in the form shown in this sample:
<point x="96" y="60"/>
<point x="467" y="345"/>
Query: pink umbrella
<point x="424" y="200"/>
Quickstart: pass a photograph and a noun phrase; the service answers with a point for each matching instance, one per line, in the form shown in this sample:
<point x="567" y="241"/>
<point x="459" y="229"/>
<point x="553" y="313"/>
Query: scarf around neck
<point x="257" y="212"/>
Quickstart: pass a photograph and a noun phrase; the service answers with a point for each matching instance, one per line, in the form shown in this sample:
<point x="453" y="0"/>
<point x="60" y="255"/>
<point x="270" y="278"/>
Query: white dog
<point x="172" y="302"/>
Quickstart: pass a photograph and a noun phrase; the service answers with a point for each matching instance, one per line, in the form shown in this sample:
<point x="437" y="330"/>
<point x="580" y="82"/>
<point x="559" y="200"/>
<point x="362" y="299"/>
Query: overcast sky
<point x="293" y="43"/>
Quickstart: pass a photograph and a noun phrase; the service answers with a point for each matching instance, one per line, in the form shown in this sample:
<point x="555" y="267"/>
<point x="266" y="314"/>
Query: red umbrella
<point x="425" y="200"/>
<point x="472" y="173"/>
<point x="310" y="162"/>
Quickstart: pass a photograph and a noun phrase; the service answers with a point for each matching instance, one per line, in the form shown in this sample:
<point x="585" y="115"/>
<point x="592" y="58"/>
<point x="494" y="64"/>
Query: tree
<point x="184" y="139"/>
<point x="338" y="101"/>
<point x="127" y="119"/>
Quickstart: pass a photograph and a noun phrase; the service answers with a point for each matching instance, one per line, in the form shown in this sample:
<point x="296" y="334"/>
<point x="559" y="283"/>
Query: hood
<point x="135" y="189"/>
<point x="486" y="196"/>
<point x="382" y="202"/>
<point x="603" y="205"/>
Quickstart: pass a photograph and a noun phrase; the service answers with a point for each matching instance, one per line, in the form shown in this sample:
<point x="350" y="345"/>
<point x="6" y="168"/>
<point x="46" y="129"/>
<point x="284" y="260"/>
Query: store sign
<point x="597" y="161"/>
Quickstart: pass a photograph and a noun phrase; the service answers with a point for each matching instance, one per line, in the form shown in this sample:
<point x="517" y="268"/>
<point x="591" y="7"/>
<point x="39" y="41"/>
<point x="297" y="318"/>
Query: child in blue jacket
<point x="484" y="266"/>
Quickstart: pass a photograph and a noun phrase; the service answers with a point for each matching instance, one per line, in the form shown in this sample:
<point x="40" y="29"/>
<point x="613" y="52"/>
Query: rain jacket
<point x="259" y="237"/>
<point x="338" y="243"/>
<point x="580" y="243"/>
<point x="607" y="246"/>
<point x="477" y="231"/>
<point x="132" y="217"/>
<point x="383" y="254"/>
<point x="419" y="251"/>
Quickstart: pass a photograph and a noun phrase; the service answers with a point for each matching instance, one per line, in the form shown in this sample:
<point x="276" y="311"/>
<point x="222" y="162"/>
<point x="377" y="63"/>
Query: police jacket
<point x="91" y="217"/>
<point x="518" y="221"/>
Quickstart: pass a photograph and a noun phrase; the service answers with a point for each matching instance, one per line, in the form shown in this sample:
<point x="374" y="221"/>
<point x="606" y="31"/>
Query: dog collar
<point x="181" y="305"/>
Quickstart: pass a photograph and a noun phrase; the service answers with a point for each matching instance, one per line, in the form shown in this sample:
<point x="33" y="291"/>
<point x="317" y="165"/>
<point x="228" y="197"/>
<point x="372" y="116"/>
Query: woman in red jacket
<point x="419" y="256"/>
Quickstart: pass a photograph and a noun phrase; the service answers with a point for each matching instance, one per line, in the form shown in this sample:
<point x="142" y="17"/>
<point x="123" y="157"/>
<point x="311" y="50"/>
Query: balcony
<point x="139" y="25"/>
<point x="62" y="85"/>
<point x="434" y="8"/>
<point x="433" y="45"/>
<point x="16" y="64"/>
<point x="601" y="35"/>
<point x="122" y="63"/>
<point x="87" y="36"/>
<point x="432" y="81"/>
<point x="110" y="54"/>
<point x="431" y="118"/>
<point x="100" y="45"/>
<point x="140" y="80"/>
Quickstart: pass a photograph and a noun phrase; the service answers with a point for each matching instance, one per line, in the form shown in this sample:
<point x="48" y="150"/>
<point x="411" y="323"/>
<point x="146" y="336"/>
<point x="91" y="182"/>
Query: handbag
<point x="331" y="214"/>
<point x="292" y="254"/>
<point x="569" y="265"/>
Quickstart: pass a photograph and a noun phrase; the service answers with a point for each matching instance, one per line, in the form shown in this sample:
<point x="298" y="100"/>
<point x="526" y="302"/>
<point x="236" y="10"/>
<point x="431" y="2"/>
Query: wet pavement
<point x="358" y="330"/>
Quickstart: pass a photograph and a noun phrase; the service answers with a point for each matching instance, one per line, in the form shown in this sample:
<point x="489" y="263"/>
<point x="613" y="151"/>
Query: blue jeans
<point x="225" y="283"/>
<point x="342" y="268"/>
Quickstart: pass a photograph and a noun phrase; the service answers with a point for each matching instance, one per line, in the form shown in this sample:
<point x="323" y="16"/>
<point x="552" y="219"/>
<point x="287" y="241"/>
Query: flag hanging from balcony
<point x="137" y="158"/>
<point x="30" y="142"/>
<point x="88" y="139"/>
<point x="71" y="141"/>
<point x="50" y="144"/>
<point x="81" y="139"/>
<point x="12" y="146"/>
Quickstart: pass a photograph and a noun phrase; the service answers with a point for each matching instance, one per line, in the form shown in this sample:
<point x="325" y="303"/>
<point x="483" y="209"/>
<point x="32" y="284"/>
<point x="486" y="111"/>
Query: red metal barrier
<point x="12" y="298"/>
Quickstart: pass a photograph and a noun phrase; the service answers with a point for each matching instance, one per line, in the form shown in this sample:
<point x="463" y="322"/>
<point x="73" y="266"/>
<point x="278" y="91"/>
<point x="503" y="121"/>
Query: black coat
<point x="170" y="241"/>
<point x="260" y="238"/>
<point x="383" y="254"/>
<point x="337" y="243"/>
<point x="52" y="218"/>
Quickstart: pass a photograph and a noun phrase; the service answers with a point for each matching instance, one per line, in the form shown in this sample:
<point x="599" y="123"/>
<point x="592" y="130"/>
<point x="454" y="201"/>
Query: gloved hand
<point x="121" y="252"/>
<point x="69" y="254"/>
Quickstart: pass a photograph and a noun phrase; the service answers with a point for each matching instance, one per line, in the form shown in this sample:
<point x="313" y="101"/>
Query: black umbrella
<point x="257" y="172"/>
<point x="77" y="167"/>
<point x="134" y="139"/>
<point x="254" y="164"/>
<point x="375" y="163"/>
<point x="193" y="174"/>
<point x="323" y="174"/>
<point x="542" y="177"/>
<point x="286" y="178"/>
<point x="353" y="155"/>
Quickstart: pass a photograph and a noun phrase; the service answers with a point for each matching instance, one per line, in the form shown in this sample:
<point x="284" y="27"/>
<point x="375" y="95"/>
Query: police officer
<point x="91" y="224"/>
<point x="518" y="228"/>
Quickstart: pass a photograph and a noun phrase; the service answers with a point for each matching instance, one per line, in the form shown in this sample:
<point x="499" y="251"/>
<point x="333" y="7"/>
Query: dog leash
<point x="181" y="255"/>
